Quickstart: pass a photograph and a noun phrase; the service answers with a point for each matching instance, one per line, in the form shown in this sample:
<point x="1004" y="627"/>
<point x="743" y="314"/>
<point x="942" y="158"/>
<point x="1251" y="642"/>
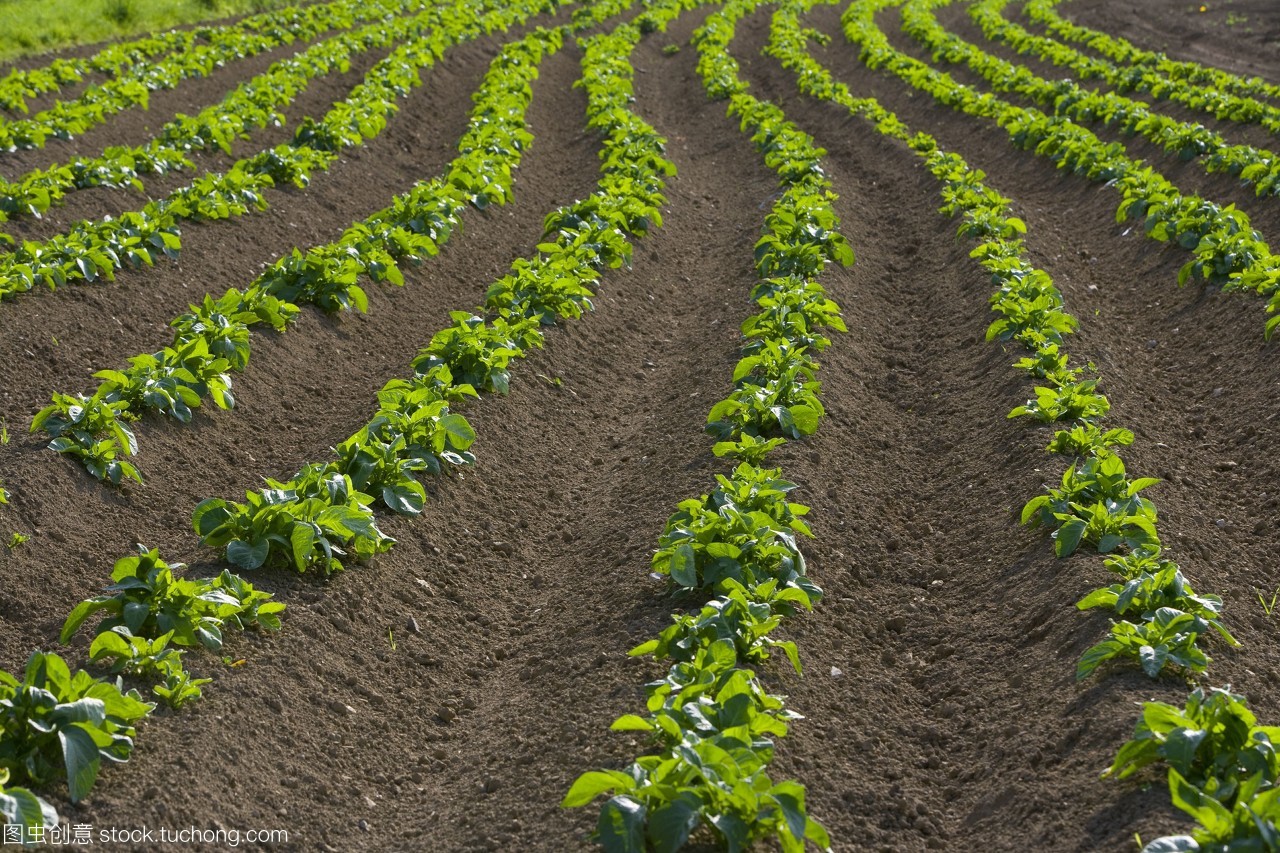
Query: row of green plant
<point x="255" y="103"/>
<point x="1120" y="50"/>
<point x="92" y="251"/>
<point x="1221" y="765"/>
<point x="213" y="339"/>
<point x="1219" y="103"/>
<point x="710" y="718"/>
<point x="1226" y="249"/>
<point x="1255" y="167"/>
<point x="149" y="617"/>
<point x="96" y="104"/>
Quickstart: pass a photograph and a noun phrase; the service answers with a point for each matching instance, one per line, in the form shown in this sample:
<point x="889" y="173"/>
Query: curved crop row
<point x="1226" y="248"/>
<point x="710" y="718"/>
<point x="1222" y="767"/>
<point x="254" y="103"/>
<point x="213" y="339"/>
<point x="1255" y="167"/>
<point x="1120" y="50"/>
<point x="91" y="251"/>
<point x="1220" y="104"/>
<point x="98" y="103"/>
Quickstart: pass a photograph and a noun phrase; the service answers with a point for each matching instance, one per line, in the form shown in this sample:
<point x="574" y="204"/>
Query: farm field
<point x="587" y="391"/>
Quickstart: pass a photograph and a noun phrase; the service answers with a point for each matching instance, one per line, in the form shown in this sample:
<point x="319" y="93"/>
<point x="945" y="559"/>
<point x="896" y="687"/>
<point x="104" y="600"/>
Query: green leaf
<point x="592" y="784"/>
<point x="631" y="723"/>
<point x="461" y="435"/>
<point x="1067" y="539"/>
<point x="1180" y="747"/>
<point x="405" y="498"/>
<point x="82" y="611"/>
<point x="80" y="753"/>
<point x="671" y="822"/>
<point x="790" y="797"/>
<point x="209" y="515"/>
<point x="647" y="647"/>
<point x="621" y="826"/>
<point x="301" y="540"/>
<point x="684" y="569"/>
<point x="805" y="418"/>
<point x="246" y="555"/>
<point x="1204" y="808"/>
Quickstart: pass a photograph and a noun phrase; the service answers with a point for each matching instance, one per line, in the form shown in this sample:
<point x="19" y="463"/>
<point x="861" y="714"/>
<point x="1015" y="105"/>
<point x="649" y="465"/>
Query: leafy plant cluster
<point x="98" y="103"/>
<point x="1226" y="249"/>
<point x="212" y="340"/>
<point x="92" y="251"/>
<point x="1219" y="102"/>
<point x="1257" y="167"/>
<point x="711" y="720"/>
<point x="1222" y="770"/>
<point x="713" y="723"/>
<point x="1161" y="616"/>
<point x="55" y="726"/>
<point x="1120" y="50"/>
<point x="150" y="618"/>
<point x="255" y="103"/>
<point x="22" y="809"/>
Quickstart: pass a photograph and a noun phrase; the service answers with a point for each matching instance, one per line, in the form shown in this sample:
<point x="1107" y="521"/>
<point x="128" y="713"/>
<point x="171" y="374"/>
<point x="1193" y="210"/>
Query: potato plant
<point x="59" y="726"/>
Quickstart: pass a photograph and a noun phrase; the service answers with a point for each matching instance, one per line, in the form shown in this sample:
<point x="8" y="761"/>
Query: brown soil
<point x="942" y="711"/>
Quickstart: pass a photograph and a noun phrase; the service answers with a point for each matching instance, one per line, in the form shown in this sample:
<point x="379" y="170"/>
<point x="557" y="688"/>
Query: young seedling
<point x="1268" y="606"/>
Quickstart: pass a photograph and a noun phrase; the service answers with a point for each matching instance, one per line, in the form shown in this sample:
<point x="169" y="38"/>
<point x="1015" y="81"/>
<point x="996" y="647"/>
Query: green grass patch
<point x="35" y="26"/>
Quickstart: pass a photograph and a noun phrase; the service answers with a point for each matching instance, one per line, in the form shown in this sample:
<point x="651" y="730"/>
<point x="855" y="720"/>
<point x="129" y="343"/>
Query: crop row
<point x="1255" y="167"/>
<point x="92" y="251"/>
<point x="711" y="719"/>
<point x="1120" y="50"/>
<point x="1222" y="766"/>
<point x="1217" y="102"/>
<point x="255" y="103"/>
<point x="54" y="725"/>
<point x="66" y="119"/>
<point x="1226" y="249"/>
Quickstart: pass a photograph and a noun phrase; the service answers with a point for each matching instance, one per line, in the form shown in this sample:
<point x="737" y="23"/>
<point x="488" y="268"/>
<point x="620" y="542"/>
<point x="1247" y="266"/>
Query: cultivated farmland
<point x="523" y="425"/>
